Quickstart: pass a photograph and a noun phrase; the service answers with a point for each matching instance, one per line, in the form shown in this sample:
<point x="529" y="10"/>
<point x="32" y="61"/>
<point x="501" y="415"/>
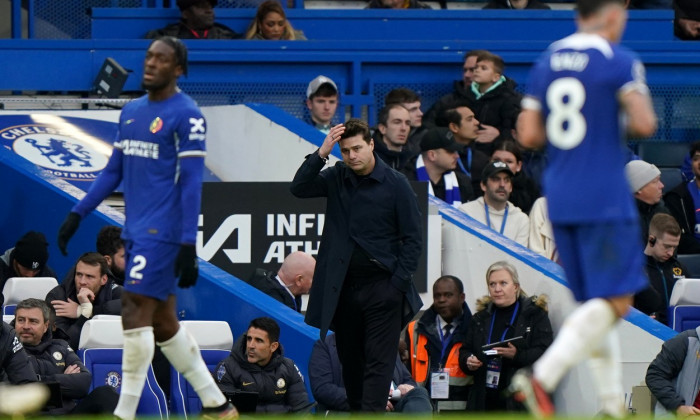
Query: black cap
<point x="439" y="138"/>
<point x="31" y="251"/>
<point x="493" y="168"/>
<point x="186" y="4"/>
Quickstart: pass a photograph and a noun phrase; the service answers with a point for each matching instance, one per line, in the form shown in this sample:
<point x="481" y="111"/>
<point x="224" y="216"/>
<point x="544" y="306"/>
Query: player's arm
<point x="641" y="118"/>
<point x="530" y="127"/>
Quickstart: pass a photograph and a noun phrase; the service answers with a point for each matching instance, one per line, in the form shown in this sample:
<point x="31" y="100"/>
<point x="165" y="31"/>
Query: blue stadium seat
<point x="684" y="305"/>
<point x="692" y="263"/>
<point x="215" y="341"/>
<point x="19" y="288"/>
<point x="100" y="348"/>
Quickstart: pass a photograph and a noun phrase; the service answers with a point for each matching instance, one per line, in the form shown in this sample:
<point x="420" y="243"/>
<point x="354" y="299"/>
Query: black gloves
<point x="186" y="266"/>
<point x="68" y="228"/>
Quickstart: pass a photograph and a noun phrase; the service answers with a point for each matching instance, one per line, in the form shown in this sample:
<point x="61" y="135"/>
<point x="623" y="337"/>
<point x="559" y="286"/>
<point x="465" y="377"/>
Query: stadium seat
<point x="100" y="348"/>
<point x="684" y="305"/>
<point x="19" y="288"/>
<point x="664" y="153"/>
<point x="670" y="177"/>
<point x="692" y="263"/>
<point x="215" y="341"/>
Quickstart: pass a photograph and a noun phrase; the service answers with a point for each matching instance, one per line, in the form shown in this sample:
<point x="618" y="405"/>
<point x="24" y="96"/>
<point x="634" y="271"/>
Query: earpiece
<point x="652" y="240"/>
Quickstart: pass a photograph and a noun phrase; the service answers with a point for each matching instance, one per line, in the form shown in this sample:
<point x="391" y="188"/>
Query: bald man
<point x="292" y="280"/>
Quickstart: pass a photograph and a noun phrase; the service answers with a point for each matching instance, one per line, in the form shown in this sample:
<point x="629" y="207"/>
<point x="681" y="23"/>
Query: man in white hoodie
<point x="494" y="210"/>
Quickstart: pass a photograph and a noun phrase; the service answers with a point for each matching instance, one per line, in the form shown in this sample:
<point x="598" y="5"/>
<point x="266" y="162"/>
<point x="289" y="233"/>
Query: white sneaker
<point x="22" y="399"/>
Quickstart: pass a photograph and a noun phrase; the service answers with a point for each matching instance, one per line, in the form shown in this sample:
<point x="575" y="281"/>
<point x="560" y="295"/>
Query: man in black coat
<point x="292" y="280"/>
<point x="363" y="283"/>
<point x="197" y="22"/>
<point x="26" y="259"/>
<point x="257" y="364"/>
<point x="90" y="293"/>
<point x="682" y="202"/>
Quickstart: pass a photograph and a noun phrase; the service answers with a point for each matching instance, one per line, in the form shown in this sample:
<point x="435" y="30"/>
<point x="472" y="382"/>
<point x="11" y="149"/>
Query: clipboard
<point x="515" y="340"/>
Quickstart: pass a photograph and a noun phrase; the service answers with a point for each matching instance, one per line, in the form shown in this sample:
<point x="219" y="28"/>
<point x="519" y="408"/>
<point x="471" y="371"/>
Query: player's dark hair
<point x="498" y="64"/>
<point x="109" y="240"/>
<point x="383" y="117"/>
<point x="32" y="303"/>
<point x="324" y="91"/>
<point x="94" y="259"/>
<point x="695" y="147"/>
<point x="179" y="48"/>
<point x="664" y="223"/>
<point x="353" y="127"/>
<point x="455" y="280"/>
<point x="268" y="325"/>
<point x="586" y="8"/>
<point x="401" y="95"/>
<point x="511" y="147"/>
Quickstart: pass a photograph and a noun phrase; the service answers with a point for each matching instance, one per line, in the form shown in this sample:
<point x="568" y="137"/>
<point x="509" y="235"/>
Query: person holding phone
<point x="509" y="331"/>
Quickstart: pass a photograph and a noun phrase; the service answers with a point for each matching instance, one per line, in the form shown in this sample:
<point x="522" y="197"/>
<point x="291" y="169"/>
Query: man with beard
<point x="197" y="22"/>
<point x="111" y="245"/>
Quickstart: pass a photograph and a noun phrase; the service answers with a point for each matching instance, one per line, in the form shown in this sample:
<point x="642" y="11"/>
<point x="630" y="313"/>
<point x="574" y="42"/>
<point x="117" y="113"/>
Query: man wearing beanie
<point x="196" y="22"/>
<point x="645" y="183"/>
<point x="26" y="259"/>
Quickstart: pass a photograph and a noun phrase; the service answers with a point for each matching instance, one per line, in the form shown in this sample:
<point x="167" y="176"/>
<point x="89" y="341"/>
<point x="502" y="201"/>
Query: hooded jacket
<point x="680" y="203"/>
<point x="662" y="277"/>
<point x="50" y="358"/>
<point x="7" y="271"/>
<point x="395" y="160"/>
<point x="108" y="301"/>
<point x="279" y="384"/>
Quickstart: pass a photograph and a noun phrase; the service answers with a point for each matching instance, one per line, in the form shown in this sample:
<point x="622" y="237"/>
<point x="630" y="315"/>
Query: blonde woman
<point x="270" y="23"/>
<point x="506" y="313"/>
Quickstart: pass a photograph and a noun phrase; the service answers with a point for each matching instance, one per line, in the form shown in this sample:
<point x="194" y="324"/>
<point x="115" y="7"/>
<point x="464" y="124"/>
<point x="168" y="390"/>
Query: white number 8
<point x="569" y="112"/>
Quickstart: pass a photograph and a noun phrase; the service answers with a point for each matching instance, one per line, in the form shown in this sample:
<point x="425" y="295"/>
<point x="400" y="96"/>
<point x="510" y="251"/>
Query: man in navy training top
<point x="577" y="91"/>
<point x="159" y="157"/>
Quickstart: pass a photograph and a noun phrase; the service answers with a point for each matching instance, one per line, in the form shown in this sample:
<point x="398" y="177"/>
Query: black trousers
<point x="368" y="326"/>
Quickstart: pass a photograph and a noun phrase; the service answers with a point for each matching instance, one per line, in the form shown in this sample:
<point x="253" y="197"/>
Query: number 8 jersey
<point x="575" y="84"/>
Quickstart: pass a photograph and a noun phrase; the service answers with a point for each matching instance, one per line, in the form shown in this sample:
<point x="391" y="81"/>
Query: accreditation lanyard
<point x="488" y="218"/>
<point x="467" y="169"/>
<point x="444" y="339"/>
<point x="512" y="320"/>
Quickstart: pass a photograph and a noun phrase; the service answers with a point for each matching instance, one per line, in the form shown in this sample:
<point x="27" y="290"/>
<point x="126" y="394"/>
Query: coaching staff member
<point x="363" y="283"/>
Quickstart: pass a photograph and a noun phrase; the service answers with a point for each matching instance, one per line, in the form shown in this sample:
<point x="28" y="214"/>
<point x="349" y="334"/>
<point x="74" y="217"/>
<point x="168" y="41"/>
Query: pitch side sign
<point x="249" y="225"/>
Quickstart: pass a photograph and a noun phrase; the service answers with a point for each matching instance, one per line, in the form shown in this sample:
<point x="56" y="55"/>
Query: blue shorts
<point x="602" y="260"/>
<point x="150" y="268"/>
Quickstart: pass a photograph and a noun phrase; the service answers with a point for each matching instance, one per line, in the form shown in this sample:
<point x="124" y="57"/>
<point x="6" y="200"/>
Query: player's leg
<point x="183" y="353"/>
<point x="606" y="369"/>
<point x="139" y="345"/>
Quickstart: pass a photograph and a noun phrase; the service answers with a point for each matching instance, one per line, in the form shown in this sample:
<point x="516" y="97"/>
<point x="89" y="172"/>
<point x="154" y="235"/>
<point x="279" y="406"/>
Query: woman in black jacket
<point x="506" y="313"/>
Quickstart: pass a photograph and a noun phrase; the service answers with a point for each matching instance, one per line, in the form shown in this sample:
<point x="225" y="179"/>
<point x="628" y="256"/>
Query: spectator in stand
<point x="396" y="4"/>
<point x="435" y="340"/>
<point x="90" y="293"/>
<point x="494" y="209"/>
<point x="391" y="136"/>
<point x="672" y="377"/>
<point x="322" y="101"/>
<point x="111" y="245"/>
<point x="437" y="164"/>
<point x="54" y="361"/>
<point x="662" y="267"/>
<point x="292" y="280"/>
<point x="649" y="4"/>
<point x="506" y="313"/>
<point x="645" y="182"/>
<point x="683" y="202"/>
<point x="458" y="95"/>
<point x="26" y="259"/>
<point x="270" y="23"/>
<point x="525" y="190"/>
<point x="516" y="4"/>
<point x="412" y="102"/>
<point x="541" y="238"/>
<point x="687" y="20"/>
<point x="196" y="22"/>
<point x="465" y="128"/>
<point x="326" y="381"/>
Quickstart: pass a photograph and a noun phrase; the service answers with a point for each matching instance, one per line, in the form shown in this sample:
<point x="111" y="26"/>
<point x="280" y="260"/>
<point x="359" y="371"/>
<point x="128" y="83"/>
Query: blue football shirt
<point x="576" y="84"/>
<point x="153" y="138"/>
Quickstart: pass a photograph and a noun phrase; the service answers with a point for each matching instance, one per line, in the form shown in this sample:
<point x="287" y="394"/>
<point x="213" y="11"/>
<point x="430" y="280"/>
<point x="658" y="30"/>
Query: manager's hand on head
<point x="186" y="266"/>
<point x="67" y="230"/>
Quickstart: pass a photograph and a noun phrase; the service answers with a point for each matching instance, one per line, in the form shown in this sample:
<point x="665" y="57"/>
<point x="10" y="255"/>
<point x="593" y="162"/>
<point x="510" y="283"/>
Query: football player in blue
<point x="576" y="95"/>
<point x="159" y="157"/>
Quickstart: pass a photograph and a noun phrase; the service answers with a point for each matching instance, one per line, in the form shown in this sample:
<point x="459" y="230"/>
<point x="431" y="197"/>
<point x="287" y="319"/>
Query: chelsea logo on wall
<point x="75" y="149"/>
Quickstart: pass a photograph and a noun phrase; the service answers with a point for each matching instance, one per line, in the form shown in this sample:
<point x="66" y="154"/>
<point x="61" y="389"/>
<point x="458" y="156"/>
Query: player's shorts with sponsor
<point x="150" y="267"/>
<point x="603" y="259"/>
